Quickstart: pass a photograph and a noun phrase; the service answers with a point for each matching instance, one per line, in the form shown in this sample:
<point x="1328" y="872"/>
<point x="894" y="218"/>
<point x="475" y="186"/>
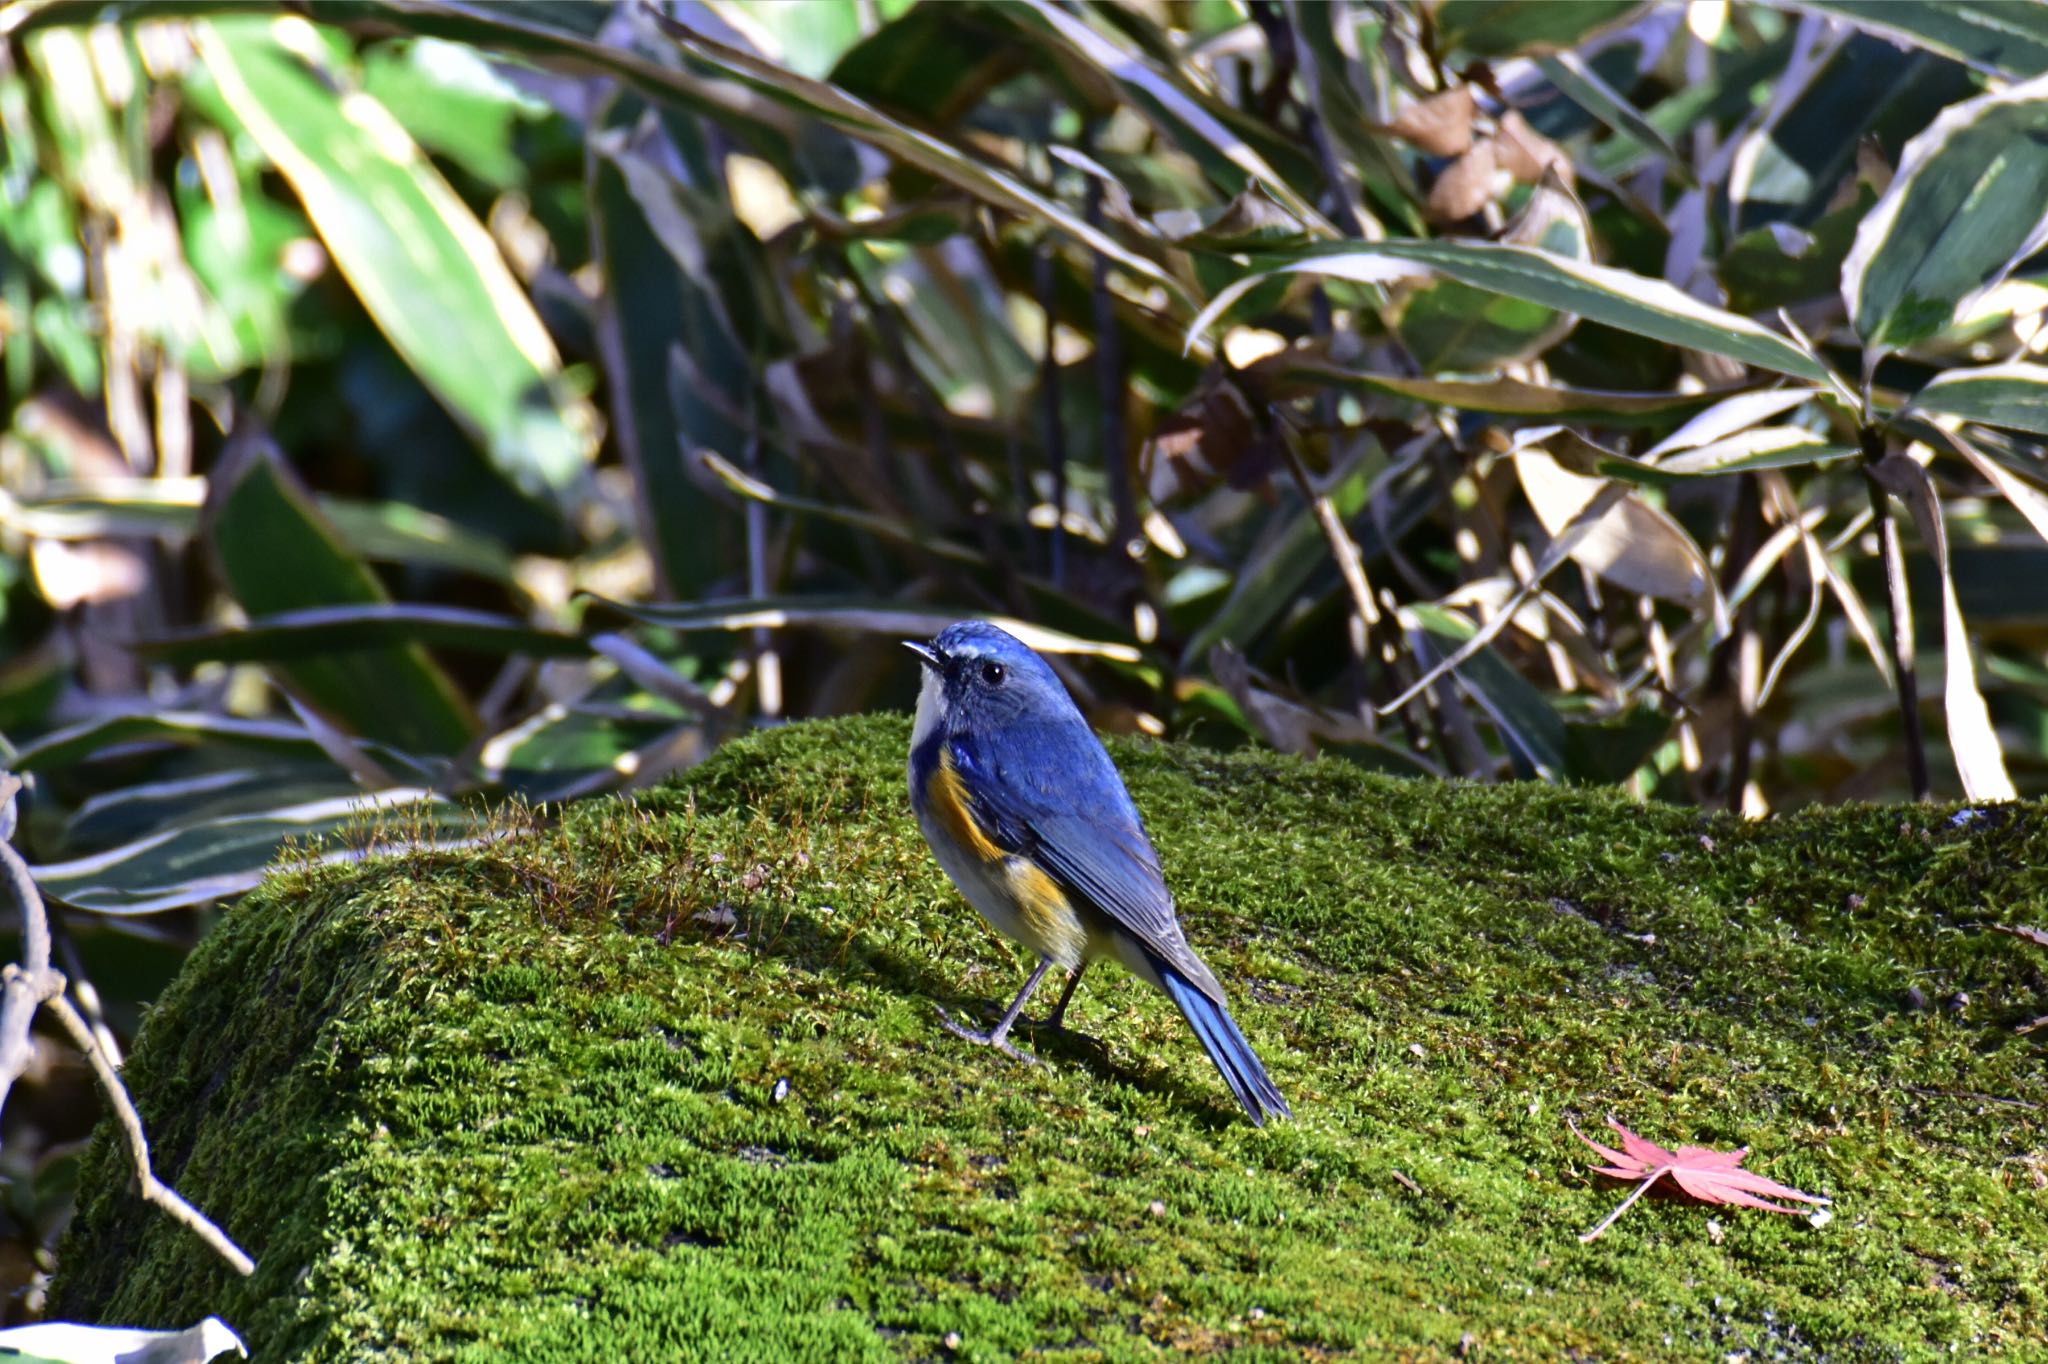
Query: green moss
<point x="532" y="1104"/>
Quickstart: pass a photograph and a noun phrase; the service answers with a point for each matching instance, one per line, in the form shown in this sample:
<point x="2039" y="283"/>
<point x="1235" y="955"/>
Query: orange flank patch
<point x="1056" y="930"/>
<point x="947" y="799"/>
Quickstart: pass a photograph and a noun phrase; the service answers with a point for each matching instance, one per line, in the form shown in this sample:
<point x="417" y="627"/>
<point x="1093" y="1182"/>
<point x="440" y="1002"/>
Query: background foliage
<point x="410" y="403"/>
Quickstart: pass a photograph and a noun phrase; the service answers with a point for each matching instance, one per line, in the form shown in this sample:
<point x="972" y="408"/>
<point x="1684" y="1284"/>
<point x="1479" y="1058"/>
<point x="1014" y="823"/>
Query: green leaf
<point x="901" y="620"/>
<point x="1780" y="265"/>
<point x="400" y="533"/>
<point x="424" y="267"/>
<point x="1583" y="87"/>
<point x="2013" y="396"/>
<point x="1270" y="577"/>
<point x="384" y="532"/>
<point x="1619" y="298"/>
<point x="658" y="312"/>
<point x="1293" y="370"/>
<point x="838" y="109"/>
<point x="1500" y="28"/>
<point x="209" y="860"/>
<point x="131" y="812"/>
<point x="1449" y="325"/>
<point x="1203" y="127"/>
<point x="1609" y="750"/>
<point x="277" y="553"/>
<point x="1789" y="169"/>
<point x="2009" y="36"/>
<point x="1969" y="202"/>
<point x="187" y="729"/>
<point x="314" y="631"/>
<point x="1533" y="730"/>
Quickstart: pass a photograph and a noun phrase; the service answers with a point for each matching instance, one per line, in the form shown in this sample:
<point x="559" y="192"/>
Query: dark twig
<point x="1894" y="555"/>
<point x="1045" y="282"/>
<point x="1109" y="371"/>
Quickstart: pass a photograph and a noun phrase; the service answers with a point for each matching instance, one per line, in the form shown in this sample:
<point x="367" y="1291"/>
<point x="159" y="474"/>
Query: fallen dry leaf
<point x="1709" y="1176"/>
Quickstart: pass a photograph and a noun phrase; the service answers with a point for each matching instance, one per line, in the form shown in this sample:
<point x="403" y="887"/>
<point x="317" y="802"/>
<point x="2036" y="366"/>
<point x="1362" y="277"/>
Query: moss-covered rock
<point x="666" y="1083"/>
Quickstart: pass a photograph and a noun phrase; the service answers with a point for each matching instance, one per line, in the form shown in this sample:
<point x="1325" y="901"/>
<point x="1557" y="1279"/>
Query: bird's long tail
<point x="1226" y="1046"/>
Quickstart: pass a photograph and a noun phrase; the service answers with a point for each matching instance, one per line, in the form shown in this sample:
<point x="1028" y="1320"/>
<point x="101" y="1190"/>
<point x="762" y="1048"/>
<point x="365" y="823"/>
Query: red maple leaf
<point x="1709" y="1176"/>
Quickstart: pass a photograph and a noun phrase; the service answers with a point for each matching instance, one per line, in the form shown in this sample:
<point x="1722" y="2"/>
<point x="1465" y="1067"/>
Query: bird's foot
<point x="996" y="1039"/>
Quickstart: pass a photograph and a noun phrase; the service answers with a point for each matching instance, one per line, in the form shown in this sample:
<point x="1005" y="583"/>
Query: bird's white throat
<point x="931" y="708"/>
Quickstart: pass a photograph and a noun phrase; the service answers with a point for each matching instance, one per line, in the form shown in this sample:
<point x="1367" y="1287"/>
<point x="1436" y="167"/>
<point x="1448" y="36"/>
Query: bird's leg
<point x="1058" y="1018"/>
<point x="999" y="1036"/>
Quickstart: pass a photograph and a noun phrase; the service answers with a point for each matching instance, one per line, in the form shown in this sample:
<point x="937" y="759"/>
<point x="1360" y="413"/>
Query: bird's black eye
<point x="992" y="673"/>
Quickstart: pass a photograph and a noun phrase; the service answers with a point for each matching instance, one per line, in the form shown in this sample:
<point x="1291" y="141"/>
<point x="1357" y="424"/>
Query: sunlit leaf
<point x="1997" y="35"/>
<point x="870" y="618"/>
<point x="312" y="632"/>
<point x="2014" y="396"/>
<point x="1980" y="761"/>
<point x="1629" y="302"/>
<point x="1449" y="325"/>
<point x="854" y="117"/>
<point x="422" y="264"/>
<point x="65" y="1342"/>
<point x="1969" y="202"/>
<point x="197" y="863"/>
<point x="1636" y="546"/>
<point x="188" y="729"/>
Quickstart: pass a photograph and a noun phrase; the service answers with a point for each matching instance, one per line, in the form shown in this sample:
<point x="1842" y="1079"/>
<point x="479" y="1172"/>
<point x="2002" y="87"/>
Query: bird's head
<point x="977" y="673"/>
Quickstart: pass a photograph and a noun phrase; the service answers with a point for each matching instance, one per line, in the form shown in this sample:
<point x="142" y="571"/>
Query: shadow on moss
<point x="666" y="1083"/>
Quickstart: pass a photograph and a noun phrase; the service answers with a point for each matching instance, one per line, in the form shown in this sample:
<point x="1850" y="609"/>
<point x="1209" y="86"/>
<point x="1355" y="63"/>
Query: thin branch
<point x="153" y="1189"/>
<point x="32" y="984"/>
<point x="1109" y="376"/>
<point x="1560" y="548"/>
<point x="1049" y="399"/>
<point x="26" y="985"/>
<point x="1350" y="558"/>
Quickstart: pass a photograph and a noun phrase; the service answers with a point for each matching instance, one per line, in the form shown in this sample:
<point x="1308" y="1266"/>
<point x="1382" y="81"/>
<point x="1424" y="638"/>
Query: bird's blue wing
<point x="1054" y="797"/>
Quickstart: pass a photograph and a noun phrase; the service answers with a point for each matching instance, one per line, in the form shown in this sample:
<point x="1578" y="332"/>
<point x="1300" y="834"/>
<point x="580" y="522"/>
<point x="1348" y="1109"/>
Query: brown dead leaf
<point x="1525" y="153"/>
<point x="1440" y="125"/>
<point x="1465" y="187"/>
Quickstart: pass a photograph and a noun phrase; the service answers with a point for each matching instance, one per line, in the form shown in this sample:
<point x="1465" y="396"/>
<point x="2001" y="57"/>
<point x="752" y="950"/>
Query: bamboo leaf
<point x="1619" y="298"/>
<point x="1582" y="86"/>
<point x="277" y="553"/>
<point x="859" y="617"/>
<point x="1534" y="732"/>
<point x="198" y="863"/>
<point x="1980" y="762"/>
<point x="1788" y="169"/>
<point x="313" y="632"/>
<point x="2014" y="396"/>
<point x="424" y="267"/>
<point x="1969" y="202"/>
<point x="838" y="109"/>
<point x="1993" y="35"/>
<point x="1636" y="546"/>
<point x="1500" y="28"/>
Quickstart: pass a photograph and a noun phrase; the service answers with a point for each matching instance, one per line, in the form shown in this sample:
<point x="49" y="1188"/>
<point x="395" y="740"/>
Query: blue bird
<point x="1027" y="815"/>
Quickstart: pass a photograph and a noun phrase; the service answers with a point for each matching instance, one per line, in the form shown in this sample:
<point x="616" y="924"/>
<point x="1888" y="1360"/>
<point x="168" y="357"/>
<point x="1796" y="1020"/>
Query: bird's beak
<point x="926" y="654"/>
